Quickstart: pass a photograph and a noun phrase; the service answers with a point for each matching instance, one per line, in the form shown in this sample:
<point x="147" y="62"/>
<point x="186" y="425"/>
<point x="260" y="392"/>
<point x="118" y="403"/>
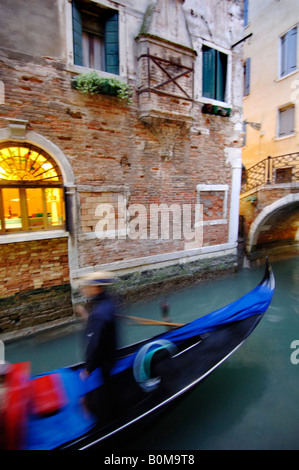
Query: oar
<point x="146" y="321"/>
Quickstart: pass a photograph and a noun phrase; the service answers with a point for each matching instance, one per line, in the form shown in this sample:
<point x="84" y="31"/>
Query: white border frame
<point x="215" y="188"/>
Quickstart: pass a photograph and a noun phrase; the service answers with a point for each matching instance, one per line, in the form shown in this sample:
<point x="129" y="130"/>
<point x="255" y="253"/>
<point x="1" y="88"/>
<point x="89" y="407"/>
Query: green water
<point x="249" y="402"/>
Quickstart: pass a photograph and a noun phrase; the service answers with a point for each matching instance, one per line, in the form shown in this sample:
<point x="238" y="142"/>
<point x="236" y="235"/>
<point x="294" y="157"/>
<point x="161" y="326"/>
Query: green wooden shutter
<point x="221" y="67"/>
<point x="77" y="34"/>
<point x="208" y="72"/>
<point x="111" y="44"/>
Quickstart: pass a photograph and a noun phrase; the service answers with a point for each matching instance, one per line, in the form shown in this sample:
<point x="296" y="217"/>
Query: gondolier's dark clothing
<point x="100" y="352"/>
<point x="101" y="334"/>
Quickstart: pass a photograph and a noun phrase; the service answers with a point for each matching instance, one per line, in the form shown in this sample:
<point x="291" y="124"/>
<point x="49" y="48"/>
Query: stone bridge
<point x="269" y="207"/>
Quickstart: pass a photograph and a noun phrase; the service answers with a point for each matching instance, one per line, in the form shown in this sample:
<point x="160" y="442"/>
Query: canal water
<point x="249" y="402"/>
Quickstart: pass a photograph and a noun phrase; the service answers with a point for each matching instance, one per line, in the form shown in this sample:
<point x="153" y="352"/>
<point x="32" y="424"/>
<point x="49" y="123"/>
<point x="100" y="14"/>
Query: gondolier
<point x="101" y="336"/>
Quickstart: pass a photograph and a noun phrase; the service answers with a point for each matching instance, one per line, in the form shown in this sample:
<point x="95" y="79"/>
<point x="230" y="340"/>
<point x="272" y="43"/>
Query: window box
<point x="92" y="83"/>
<point x="216" y="110"/>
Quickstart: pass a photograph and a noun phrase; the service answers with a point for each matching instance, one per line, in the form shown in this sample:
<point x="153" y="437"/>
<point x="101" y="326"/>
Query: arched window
<point x="31" y="189"/>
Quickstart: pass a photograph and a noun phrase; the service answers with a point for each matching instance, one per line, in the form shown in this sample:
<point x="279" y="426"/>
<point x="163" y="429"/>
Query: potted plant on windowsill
<point x="216" y="110"/>
<point x="92" y="83"/>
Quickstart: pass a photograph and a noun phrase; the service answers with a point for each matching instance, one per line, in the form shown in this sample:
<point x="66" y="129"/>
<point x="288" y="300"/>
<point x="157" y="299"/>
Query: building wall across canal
<point x="171" y="145"/>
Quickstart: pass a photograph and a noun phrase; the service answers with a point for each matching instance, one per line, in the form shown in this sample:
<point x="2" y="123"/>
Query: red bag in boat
<point x="48" y="394"/>
<point x="18" y="403"/>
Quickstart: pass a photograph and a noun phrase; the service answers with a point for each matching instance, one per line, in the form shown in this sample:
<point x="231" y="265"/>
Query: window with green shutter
<point x="214" y="71"/>
<point x="95" y="37"/>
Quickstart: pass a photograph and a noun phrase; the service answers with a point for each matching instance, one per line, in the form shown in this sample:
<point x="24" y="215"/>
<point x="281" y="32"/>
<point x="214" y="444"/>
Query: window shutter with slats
<point x="208" y="72"/>
<point x="286" y="121"/>
<point x="245" y="12"/>
<point x="221" y="76"/>
<point x="292" y="50"/>
<point x="288" y="52"/>
<point x="77" y="34"/>
<point x="111" y="44"/>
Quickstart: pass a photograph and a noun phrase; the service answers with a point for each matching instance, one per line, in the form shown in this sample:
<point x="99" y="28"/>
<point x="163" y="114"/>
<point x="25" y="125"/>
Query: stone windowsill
<point x="32" y="236"/>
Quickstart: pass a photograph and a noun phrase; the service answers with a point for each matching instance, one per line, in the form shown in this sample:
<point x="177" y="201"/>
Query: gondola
<point x="148" y="377"/>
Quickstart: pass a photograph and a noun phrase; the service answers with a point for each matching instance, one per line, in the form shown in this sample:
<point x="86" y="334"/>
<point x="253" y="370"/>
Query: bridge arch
<point x="284" y="208"/>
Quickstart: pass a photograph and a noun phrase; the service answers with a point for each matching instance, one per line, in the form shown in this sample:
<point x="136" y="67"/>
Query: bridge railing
<point x="271" y="170"/>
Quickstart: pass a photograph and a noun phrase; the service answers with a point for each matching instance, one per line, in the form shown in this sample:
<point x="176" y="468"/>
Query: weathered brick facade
<point x="33" y="265"/>
<point x="148" y="152"/>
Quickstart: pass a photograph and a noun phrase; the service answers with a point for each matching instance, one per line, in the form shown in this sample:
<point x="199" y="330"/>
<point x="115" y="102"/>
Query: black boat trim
<point x="155" y="408"/>
<point x="187" y="349"/>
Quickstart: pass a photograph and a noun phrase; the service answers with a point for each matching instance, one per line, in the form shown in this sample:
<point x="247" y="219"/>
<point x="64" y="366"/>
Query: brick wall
<point x="33" y="265"/>
<point x="106" y="143"/>
<point x="112" y="154"/>
<point x="34" y="283"/>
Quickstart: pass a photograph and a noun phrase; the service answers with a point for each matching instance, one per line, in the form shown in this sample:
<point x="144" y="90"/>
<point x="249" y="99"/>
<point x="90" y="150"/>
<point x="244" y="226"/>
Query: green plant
<point x="252" y="199"/>
<point x="216" y="110"/>
<point x="92" y="83"/>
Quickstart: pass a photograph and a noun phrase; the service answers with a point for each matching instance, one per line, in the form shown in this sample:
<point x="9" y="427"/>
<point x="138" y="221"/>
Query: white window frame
<point x="228" y="95"/>
<point x="121" y="35"/>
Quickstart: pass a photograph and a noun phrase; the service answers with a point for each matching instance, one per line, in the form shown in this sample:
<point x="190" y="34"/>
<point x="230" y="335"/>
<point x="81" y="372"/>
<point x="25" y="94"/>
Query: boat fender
<point x="142" y="363"/>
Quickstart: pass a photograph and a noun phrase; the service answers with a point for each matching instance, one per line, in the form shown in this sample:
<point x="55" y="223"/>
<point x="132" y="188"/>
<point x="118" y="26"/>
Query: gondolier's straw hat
<point x="100" y="278"/>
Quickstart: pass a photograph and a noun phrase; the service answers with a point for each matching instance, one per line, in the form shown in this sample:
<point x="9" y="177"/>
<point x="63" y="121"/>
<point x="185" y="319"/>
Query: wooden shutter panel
<point x="221" y="75"/>
<point x="289" y="52"/>
<point x="245" y="12"/>
<point x="283" y="51"/>
<point x="247" y="77"/>
<point x="77" y="34"/>
<point x="111" y="44"/>
<point x="286" y="121"/>
<point x="292" y="50"/>
<point x="208" y="72"/>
